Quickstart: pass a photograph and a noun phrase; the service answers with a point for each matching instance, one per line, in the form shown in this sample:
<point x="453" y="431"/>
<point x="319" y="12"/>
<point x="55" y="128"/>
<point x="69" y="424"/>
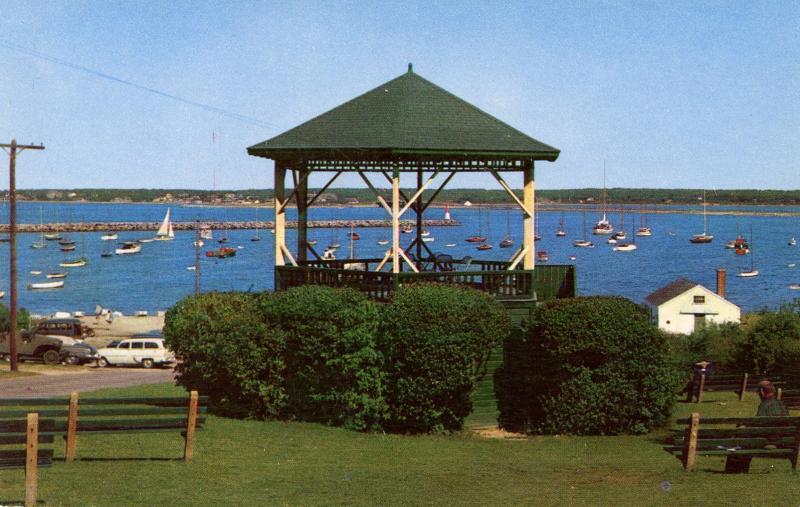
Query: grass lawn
<point x="265" y="463"/>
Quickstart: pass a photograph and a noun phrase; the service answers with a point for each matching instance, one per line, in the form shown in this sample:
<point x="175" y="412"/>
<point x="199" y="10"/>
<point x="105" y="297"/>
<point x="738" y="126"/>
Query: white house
<point x="683" y="306"/>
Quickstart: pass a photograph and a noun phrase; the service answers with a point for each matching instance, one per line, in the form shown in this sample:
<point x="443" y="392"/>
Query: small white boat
<point x="46" y="285"/>
<point x="311" y="242"/>
<point x="75" y="263"/>
<point x="611" y="241"/>
<point x="145" y="240"/>
<point x="450" y="245"/>
<point x="644" y="231"/>
<point x="383" y="241"/>
<point x="205" y="233"/>
<point x="791" y="265"/>
<point x="129" y="247"/>
<point x="165" y="232"/>
<point x="109" y="237"/>
<point x="191" y="268"/>
<point x="57" y="275"/>
<point x="36" y="273"/>
<point x="572" y="257"/>
<point x="428" y="239"/>
<point x="748" y="274"/>
<point x="625" y="247"/>
<point x="582" y="243"/>
<point x="792" y="242"/>
<point x="794" y="286"/>
<point x="52" y="236"/>
<point x="425" y="233"/>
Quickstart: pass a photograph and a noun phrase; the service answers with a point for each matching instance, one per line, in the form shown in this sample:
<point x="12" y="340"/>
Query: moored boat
<point x="109" y="237"/>
<point x="704" y="237"/>
<point x="128" y="247"/>
<point x="57" y="275"/>
<point x="542" y="256"/>
<point x="46" y="285"/>
<point x="506" y="243"/>
<point x="222" y="253"/>
<point x="74" y="263"/>
<point x="625" y="247"/>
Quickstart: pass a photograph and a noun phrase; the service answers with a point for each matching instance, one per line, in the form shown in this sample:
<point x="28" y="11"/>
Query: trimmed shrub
<point x="332" y="369"/>
<point x="717" y="342"/>
<point x="436" y="340"/>
<point x="587" y="366"/>
<point x="228" y="353"/>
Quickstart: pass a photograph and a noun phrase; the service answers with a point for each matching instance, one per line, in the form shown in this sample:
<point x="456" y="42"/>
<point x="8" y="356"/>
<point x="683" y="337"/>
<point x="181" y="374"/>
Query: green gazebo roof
<point x="406" y="118"/>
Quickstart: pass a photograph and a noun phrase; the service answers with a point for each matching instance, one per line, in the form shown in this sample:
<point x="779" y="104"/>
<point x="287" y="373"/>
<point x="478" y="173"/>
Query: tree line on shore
<point x="339" y="196"/>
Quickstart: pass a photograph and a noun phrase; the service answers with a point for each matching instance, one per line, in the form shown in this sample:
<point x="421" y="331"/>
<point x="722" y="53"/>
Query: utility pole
<point x="12" y="150"/>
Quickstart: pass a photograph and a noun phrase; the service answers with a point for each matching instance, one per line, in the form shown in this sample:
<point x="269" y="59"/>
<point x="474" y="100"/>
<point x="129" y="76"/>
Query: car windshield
<point x="113" y="344"/>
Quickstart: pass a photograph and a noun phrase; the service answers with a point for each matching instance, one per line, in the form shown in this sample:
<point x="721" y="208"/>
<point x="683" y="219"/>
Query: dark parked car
<point x="52" y="341"/>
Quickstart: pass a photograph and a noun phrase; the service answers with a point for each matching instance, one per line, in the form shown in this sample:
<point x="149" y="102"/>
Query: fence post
<point x="796" y="448"/>
<point x="72" y="427"/>
<point x="191" y="422"/>
<point x="702" y="386"/>
<point x="32" y="460"/>
<point x="744" y="386"/>
<point x="690" y="444"/>
<point x="780" y="393"/>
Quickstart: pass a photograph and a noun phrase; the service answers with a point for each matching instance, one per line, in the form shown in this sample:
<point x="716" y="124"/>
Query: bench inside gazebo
<point x="409" y="126"/>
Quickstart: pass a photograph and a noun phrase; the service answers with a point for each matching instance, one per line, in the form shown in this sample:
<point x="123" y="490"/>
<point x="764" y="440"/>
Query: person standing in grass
<point x="770" y="406"/>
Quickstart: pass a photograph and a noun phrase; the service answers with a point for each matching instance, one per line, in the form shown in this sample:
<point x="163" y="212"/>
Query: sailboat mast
<point x="705" y="218"/>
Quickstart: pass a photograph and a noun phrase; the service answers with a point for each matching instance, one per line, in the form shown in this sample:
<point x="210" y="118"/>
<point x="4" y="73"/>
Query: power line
<point x="103" y="75"/>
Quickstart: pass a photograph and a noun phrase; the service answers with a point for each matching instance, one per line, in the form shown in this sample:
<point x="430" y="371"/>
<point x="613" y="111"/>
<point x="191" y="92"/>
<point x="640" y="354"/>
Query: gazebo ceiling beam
<point x="413" y="165"/>
<point x="323" y="189"/>
<point x="511" y="192"/>
<point x="438" y="190"/>
<point x="377" y="194"/>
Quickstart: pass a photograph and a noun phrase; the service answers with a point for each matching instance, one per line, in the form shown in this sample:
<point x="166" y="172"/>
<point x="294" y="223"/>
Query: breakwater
<point x="225" y="225"/>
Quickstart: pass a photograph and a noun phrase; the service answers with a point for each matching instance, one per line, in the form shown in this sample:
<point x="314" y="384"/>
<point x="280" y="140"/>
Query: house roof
<point x="407" y="117"/>
<point x="670" y="291"/>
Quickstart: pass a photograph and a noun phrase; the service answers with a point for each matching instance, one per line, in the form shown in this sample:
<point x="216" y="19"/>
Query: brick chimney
<point x="721" y="282"/>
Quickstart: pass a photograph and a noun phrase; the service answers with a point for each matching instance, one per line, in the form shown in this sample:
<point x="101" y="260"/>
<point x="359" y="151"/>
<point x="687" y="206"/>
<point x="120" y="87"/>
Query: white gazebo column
<point x="529" y="247"/>
<point x="280" y="213"/>
<point x="395" y="220"/>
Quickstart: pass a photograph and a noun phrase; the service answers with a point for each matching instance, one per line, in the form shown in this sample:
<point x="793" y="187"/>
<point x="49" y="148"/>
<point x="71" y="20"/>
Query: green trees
<point x="23" y="319"/>
<point x="593" y="365"/>
<point x="330" y="355"/>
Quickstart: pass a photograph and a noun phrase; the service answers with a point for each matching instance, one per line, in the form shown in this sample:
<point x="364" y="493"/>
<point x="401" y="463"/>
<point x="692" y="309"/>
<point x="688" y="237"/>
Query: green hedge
<point x="436" y="340"/>
<point x="594" y="365"/>
<point x="330" y="355"/>
<point x="228" y="352"/>
<point x="23" y="319"/>
<point x="333" y="372"/>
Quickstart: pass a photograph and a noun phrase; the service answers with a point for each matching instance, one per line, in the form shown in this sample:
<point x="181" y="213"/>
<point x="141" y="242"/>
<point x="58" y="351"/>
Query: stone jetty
<point x="190" y="226"/>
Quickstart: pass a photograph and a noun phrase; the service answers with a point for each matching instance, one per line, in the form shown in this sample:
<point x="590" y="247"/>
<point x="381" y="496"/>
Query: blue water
<point x="156" y="278"/>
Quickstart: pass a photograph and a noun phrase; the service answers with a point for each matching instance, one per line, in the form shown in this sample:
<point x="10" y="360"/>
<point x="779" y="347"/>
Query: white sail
<point x="165" y="231"/>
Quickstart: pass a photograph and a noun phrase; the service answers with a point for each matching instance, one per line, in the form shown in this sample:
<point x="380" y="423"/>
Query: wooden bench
<point x="790" y="398"/>
<point x="756" y="437"/>
<point x="738" y="383"/>
<point x="15" y="432"/>
<point x="113" y="415"/>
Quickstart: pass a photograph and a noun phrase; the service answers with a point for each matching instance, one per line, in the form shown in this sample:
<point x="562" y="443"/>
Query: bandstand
<point x="410" y="125"/>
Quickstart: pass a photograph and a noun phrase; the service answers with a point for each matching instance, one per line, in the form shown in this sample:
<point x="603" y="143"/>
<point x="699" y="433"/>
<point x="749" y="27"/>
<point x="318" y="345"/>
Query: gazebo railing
<point x="544" y="283"/>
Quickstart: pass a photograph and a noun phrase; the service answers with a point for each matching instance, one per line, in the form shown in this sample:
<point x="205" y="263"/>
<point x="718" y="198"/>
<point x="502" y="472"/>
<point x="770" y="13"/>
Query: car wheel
<point x="51" y="357"/>
<point x="3" y="357"/>
<point x="72" y="360"/>
<point x="147" y="363"/>
<point x="102" y="362"/>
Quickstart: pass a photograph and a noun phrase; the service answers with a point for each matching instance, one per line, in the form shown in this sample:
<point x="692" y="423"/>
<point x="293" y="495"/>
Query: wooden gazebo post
<point x="280" y="213"/>
<point x="528" y="222"/>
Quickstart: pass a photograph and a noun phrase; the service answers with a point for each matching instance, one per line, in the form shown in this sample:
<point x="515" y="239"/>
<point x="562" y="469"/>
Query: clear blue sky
<point x="670" y="94"/>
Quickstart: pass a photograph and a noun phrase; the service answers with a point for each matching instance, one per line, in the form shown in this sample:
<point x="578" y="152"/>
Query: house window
<point x="699" y="321"/>
<point x="699" y="300"/>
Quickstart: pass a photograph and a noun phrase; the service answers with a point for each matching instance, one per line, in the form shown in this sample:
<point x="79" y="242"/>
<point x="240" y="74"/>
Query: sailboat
<point x="644" y="230"/>
<point x="583" y="243"/>
<point x="704" y="237"/>
<point x="80" y="261"/>
<point x="484" y="245"/>
<point x="128" y="247"/>
<point x="165" y="232"/>
<point x="753" y="271"/>
<point x="478" y="238"/>
<point x="792" y="242"/>
<point x="53" y="235"/>
<point x="41" y="243"/>
<point x="621" y="234"/>
<point x="508" y="241"/>
<point x="561" y="231"/>
<point x="625" y="247"/>
<point x="603" y="226"/>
